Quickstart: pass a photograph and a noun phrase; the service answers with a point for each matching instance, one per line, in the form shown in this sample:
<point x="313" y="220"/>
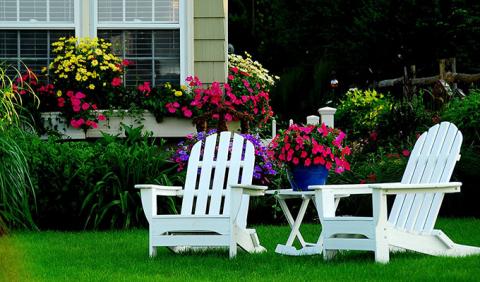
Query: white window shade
<point x="138" y="11"/>
<point x="37" y="11"/>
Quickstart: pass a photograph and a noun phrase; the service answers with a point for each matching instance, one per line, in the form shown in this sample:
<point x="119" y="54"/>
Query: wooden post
<point x="406" y="92"/>
<point x="274" y="128"/>
<point x="413" y="72"/>
<point x="442" y="68"/>
<point x="328" y="116"/>
<point x="453" y="62"/>
<point x="314" y="120"/>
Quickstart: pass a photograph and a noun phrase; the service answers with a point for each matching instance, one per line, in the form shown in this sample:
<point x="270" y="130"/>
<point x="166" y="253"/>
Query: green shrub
<point x="465" y="113"/>
<point x="91" y="185"/>
<point x="360" y="112"/>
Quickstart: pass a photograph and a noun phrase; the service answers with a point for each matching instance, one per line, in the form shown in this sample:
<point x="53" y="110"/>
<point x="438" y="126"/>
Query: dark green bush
<point x="360" y="112"/>
<point x="465" y="113"/>
<point x="91" y="185"/>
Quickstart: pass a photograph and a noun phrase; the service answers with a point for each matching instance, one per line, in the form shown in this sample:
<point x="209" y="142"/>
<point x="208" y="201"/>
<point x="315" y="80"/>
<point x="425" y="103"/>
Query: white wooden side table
<point x="307" y="248"/>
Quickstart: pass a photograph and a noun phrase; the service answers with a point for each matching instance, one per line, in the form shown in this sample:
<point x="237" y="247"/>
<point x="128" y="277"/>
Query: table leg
<point x="296" y="225"/>
<point x="288" y="249"/>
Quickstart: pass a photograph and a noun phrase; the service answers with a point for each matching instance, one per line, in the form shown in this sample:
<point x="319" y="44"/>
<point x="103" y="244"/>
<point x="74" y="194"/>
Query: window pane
<point x="37" y="11"/>
<point x="167" y="70"/>
<point x="33" y="10"/>
<point x="166" y="10"/>
<point x="110" y="10"/>
<point x="155" y="54"/>
<point x="167" y="44"/>
<point x="138" y="43"/>
<point x="33" y="44"/>
<point x="8" y="43"/>
<point x="8" y="10"/>
<point x="138" y="11"/>
<point x="61" y="11"/>
<point x="140" y="71"/>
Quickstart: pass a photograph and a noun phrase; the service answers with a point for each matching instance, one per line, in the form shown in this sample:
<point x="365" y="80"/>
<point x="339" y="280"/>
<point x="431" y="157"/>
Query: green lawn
<point x="122" y="256"/>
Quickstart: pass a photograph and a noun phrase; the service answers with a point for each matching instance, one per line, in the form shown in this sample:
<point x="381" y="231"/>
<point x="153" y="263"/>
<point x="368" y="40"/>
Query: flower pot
<point x="303" y="176"/>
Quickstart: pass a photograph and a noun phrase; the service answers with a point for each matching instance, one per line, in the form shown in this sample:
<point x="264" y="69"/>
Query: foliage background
<point x="305" y="41"/>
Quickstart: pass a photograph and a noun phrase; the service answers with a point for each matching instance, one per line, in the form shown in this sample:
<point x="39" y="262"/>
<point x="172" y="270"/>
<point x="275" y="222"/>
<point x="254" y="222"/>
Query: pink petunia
<point x="186" y="112"/>
<point x="61" y="102"/>
<point x="80" y="95"/>
<point x="85" y="106"/>
<point x="116" y="81"/>
<point x="406" y="153"/>
<point x="295" y="161"/>
<point x="101" y="117"/>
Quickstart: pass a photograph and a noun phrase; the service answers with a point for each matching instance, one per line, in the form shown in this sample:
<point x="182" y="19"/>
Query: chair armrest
<point x="160" y="190"/>
<point x="399" y="188"/>
<point x="149" y="193"/>
<point x="343" y="189"/>
<point x="252" y="190"/>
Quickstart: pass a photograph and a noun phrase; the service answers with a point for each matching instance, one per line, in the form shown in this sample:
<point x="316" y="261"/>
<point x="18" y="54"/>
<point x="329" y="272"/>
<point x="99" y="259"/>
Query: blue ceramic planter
<point x="303" y="176"/>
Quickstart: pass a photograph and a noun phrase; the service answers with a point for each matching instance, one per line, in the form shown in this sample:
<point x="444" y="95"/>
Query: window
<point x="28" y="27"/>
<point x="146" y="32"/>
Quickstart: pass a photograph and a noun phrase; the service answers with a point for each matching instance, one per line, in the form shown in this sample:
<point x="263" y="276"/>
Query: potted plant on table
<point x="309" y="153"/>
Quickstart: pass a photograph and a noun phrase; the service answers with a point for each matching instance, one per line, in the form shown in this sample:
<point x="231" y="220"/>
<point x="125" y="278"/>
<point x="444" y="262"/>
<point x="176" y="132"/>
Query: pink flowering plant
<point x="166" y="100"/>
<point x="264" y="167"/>
<point x="207" y="99"/>
<point x="250" y="84"/>
<point x="311" y="145"/>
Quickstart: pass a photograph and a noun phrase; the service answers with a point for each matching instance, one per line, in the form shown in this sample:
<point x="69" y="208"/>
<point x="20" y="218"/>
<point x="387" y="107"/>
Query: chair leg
<point x="329" y="254"/>
<point x="382" y="252"/>
<point x="233" y="248"/>
<point x="153" y="251"/>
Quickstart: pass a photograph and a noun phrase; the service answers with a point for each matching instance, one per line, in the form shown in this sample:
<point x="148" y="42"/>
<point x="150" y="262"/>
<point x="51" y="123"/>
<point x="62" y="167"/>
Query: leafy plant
<point x="16" y="190"/>
<point x="465" y="113"/>
<point x="360" y="111"/>
<point x="82" y="185"/>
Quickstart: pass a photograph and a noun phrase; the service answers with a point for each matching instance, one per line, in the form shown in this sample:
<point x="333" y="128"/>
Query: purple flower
<point x="263" y="164"/>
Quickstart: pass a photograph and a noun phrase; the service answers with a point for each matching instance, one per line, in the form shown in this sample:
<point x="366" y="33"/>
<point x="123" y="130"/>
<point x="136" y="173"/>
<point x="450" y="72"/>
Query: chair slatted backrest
<point x="227" y="159"/>
<point x="432" y="161"/>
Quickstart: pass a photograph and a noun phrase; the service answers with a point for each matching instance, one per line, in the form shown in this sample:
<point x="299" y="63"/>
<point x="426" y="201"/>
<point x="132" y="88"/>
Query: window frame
<point x="185" y="12"/>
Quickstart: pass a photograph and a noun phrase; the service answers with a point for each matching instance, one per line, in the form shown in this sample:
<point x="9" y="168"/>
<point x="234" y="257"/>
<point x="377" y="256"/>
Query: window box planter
<point x="169" y="127"/>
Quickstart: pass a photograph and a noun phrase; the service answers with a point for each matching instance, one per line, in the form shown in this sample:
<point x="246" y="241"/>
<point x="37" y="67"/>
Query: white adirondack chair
<point x="215" y="199"/>
<point x="413" y="215"/>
